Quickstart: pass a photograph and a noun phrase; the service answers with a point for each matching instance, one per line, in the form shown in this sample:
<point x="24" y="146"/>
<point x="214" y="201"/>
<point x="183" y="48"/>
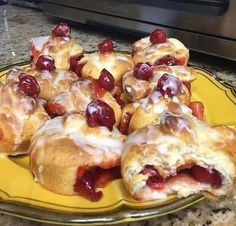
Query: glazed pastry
<point x="51" y="82"/>
<point x="91" y="153"/>
<point x="115" y="63"/>
<point x="141" y="81"/>
<point x="20" y="115"/>
<point x="182" y="156"/>
<point x="60" y="46"/>
<point x="157" y="49"/>
<point x="81" y="93"/>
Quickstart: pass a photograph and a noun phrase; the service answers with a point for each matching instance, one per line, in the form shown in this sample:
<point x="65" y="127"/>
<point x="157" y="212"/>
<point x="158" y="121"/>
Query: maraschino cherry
<point x="143" y="71"/>
<point x="61" y="30"/>
<point x="158" y="36"/>
<point x="99" y="113"/>
<point x="106" y="80"/>
<point x="169" y="85"/>
<point x="105" y="46"/>
<point x="45" y="62"/>
<point x="28" y="85"/>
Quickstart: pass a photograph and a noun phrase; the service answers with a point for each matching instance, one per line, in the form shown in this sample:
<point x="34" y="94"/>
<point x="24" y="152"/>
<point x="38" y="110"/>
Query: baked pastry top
<point x="160" y="51"/>
<point x="69" y="138"/>
<point x="20" y="115"/>
<point x="59" y="45"/>
<point x="50" y="82"/>
<point x="181" y="155"/>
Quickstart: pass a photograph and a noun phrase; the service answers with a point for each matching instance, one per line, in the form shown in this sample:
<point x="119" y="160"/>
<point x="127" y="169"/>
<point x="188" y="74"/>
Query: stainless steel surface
<point x="205" y="33"/>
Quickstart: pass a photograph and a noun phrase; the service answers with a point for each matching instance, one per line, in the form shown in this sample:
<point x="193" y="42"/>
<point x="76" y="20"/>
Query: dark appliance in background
<point x="203" y="25"/>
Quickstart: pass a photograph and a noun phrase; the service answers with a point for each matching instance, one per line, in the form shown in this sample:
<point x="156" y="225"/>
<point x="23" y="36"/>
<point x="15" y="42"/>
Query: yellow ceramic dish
<point x="22" y="196"/>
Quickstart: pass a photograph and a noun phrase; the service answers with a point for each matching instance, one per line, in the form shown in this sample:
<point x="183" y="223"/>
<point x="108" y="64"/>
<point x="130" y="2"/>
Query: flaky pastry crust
<point x="65" y="143"/>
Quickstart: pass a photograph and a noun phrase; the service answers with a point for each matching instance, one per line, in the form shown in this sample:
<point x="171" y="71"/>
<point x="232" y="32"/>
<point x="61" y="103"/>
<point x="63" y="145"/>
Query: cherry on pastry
<point x="106" y="46"/>
<point x="106" y="80"/>
<point x="45" y="62"/>
<point x="158" y="36"/>
<point x="99" y="113"/>
<point x="61" y="30"/>
<point x="143" y="71"/>
<point x="28" y="85"/>
<point x="75" y="64"/>
<point x="167" y="60"/>
<point x="169" y="85"/>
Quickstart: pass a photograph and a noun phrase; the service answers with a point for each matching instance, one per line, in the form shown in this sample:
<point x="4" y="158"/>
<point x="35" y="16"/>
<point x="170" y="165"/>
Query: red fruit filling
<point x="55" y="109"/>
<point x="99" y="113"/>
<point x="106" y="46"/>
<point x="75" y="64"/>
<point x="143" y="71"/>
<point x="158" y="36"/>
<point x="45" y="62"/>
<point x="198" y="173"/>
<point x="169" y="85"/>
<point x="106" y="80"/>
<point x="124" y="123"/>
<point x="61" y="30"/>
<point x="28" y="85"/>
<point x="167" y="60"/>
<point x="88" y="180"/>
<point x="197" y="108"/>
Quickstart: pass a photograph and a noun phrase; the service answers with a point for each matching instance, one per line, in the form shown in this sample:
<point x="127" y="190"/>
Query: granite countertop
<point x="18" y="25"/>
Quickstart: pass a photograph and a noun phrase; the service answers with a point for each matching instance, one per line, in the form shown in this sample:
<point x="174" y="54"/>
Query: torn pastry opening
<point x="88" y="180"/>
<point x="189" y="173"/>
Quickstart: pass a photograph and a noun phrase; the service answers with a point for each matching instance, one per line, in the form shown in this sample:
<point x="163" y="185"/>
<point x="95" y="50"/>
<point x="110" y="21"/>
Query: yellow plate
<point x="22" y="196"/>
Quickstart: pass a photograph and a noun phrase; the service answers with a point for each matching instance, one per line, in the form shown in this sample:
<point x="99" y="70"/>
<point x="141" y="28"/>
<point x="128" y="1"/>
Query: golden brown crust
<point x="81" y="93"/>
<point x="20" y="117"/>
<point x="70" y="138"/>
<point x="137" y="88"/>
<point x="145" y="51"/>
<point x="50" y="83"/>
<point x="59" y="48"/>
<point x="179" y="140"/>
<point x="116" y="63"/>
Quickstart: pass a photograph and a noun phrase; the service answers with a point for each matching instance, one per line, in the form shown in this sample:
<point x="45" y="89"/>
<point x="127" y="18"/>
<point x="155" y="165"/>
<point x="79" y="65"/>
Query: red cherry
<point x="99" y="113"/>
<point x="105" y="46"/>
<point x="167" y="60"/>
<point x="75" y="64"/>
<point x="85" y="185"/>
<point x="169" y="85"/>
<point x="143" y="71"/>
<point x="28" y="85"/>
<point x="106" y="80"/>
<point x="158" y="36"/>
<point x="61" y="30"/>
<point x="205" y="176"/>
<point x="45" y="62"/>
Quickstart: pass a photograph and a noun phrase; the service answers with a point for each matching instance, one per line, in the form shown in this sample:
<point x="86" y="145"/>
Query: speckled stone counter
<point x="18" y="25"/>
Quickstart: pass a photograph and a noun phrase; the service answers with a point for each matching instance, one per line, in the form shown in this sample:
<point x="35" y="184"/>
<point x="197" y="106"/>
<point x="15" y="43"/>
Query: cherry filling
<point x="55" y="109"/>
<point x="106" y="46"/>
<point x="75" y="64"/>
<point x="198" y="173"/>
<point x="167" y="60"/>
<point x="88" y="180"/>
<point x="143" y="71"/>
<point x="106" y="80"/>
<point x="61" y="30"/>
<point x="158" y="36"/>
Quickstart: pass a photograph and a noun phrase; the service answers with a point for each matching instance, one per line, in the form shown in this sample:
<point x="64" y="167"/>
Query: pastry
<point x="92" y="154"/>
<point x="115" y="63"/>
<point x="20" y="116"/>
<point x="77" y="98"/>
<point x="181" y="155"/>
<point x="157" y="49"/>
<point x="59" y="45"/>
<point x="141" y="81"/>
<point x="51" y="81"/>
